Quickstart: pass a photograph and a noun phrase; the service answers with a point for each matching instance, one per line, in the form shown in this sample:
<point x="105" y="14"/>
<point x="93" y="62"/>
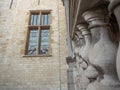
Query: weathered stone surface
<point x="97" y="86"/>
<point x="31" y="73"/>
<point x="101" y="53"/>
<point x="115" y="6"/>
<point x="104" y="60"/>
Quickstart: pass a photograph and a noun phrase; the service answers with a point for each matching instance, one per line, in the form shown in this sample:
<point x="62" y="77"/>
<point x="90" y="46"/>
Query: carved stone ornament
<point x="103" y="51"/>
<point x="115" y="7"/>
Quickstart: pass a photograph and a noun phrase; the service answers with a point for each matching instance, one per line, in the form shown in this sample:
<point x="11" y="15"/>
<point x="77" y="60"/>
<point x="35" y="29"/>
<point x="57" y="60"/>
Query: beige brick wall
<point x="31" y="73"/>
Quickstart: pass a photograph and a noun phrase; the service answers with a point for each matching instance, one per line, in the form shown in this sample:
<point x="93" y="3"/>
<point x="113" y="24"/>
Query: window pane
<point x="45" y="19"/>
<point x="48" y="19"/>
<point x="32" y="43"/>
<point x="45" y="22"/>
<point x="35" y="18"/>
<point x="45" y="41"/>
<point x="31" y="21"/>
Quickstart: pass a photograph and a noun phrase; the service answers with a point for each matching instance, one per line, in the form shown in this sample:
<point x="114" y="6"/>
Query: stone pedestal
<point x="70" y="73"/>
<point x="115" y="7"/>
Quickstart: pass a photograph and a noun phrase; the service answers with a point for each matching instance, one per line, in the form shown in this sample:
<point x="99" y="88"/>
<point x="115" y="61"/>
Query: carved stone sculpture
<point x="82" y="57"/>
<point x="115" y="7"/>
<point x="87" y="39"/>
<point x="77" y="50"/>
<point x="103" y="51"/>
<point x="77" y="43"/>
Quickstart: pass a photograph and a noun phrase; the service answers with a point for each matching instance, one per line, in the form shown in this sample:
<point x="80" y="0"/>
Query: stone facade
<point x="31" y="73"/>
<point x="94" y="30"/>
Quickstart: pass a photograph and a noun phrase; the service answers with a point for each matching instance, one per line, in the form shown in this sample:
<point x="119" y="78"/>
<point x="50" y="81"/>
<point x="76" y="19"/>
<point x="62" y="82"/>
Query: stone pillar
<point x="70" y="73"/>
<point x="115" y="7"/>
<point x="77" y="40"/>
<point x="102" y="55"/>
<point x="69" y="43"/>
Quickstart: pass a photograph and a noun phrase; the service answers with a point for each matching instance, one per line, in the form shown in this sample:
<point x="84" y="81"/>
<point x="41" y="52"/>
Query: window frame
<point x="39" y="28"/>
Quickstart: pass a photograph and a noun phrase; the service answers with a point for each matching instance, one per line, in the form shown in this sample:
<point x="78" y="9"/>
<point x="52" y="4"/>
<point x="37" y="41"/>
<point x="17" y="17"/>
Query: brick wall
<point x="31" y="73"/>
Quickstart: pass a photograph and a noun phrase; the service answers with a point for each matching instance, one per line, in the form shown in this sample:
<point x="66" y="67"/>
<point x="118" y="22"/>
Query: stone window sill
<point x="37" y="56"/>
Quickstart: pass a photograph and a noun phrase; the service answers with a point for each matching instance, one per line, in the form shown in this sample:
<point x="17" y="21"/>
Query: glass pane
<point x="45" y="41"/>
<point x="48" y="19"/>
<point x="45" y="22"/>
<point x="34" y="19"/>
<point x="31" y="21"/>
<point x="32" y="43"/>
<point x="45" y="19"/>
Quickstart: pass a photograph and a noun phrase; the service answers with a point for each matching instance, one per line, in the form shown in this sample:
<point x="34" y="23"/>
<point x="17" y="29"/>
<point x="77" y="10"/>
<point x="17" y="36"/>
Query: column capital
<point x="77" y="35"/>
<point x="95" y="18"/>
<point x="92" y="15"/>
<point x="84" y="29"/>
<point x="82" y="26"/>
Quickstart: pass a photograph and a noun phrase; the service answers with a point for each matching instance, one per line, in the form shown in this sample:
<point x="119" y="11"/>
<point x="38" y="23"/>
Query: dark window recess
<point x="35" y="19"/>
<point x="45" y="19"/>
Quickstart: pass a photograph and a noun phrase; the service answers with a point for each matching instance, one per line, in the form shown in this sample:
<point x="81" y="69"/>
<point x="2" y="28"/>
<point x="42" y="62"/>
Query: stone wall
<point x="31" y="73"/>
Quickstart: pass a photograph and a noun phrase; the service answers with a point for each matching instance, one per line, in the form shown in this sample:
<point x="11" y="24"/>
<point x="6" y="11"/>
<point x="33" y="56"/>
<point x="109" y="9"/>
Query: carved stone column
<point x="102" y="54"/>
<point x="71" y="73"/>
<point x="115" y="7"/>
<point x="83" y="56"/>
<point x="87" y="38"/>
<point x="78" y="43"/>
